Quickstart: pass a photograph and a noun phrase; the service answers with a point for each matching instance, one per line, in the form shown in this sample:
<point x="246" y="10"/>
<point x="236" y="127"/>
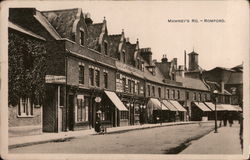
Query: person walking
<point x="225" y="118"/>
<point x="98" y="122"/>
<point x="230" y="119"/>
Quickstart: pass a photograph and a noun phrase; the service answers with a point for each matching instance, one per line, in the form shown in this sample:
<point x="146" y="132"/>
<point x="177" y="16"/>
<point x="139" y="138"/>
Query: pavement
<point x="226" y="141"/>
<point x="22" y="141"/>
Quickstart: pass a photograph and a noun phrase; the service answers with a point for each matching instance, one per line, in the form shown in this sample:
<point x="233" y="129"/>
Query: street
<point x="162" y="140"/>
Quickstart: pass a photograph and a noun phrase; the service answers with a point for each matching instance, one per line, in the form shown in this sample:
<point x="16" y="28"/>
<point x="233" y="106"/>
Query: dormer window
<point x="105" y="48"/>
<point x="81" y="38"/>
<point x="124" y="56"/>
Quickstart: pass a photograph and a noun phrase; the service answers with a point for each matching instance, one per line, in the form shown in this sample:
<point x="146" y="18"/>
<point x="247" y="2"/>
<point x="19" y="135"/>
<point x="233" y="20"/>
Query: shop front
<point x="181" y="114"/>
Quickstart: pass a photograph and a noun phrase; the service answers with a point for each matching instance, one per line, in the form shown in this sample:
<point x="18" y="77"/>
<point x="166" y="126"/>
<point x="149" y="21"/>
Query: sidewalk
<point x="226" y="141"/>
<point x="15" y="142"/>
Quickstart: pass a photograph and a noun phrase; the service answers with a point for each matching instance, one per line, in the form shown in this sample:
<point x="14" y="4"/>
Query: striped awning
<point x="178" y="106"/>
<point x="116" y="101"/>
<point x="202" y="106"/>
<point x="169" y="105"/>
<point x="157" y="105"/>
<point x="212" y="106"/>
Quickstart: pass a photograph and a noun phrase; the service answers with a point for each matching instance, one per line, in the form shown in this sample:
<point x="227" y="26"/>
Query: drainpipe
<point x="66" y="91"/>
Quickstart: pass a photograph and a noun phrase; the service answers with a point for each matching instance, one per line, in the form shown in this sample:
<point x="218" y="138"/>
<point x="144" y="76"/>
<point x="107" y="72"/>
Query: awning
<point x="237" y="107"/>
<point x="157" y="104"/>
<point x="116" y="101"/>
<point x="169" y="105"/>
<point x="202" y="106"/>
<point x="229" y="107"/>
<point x="178" y="106"/>
<point x="212" y="106"/>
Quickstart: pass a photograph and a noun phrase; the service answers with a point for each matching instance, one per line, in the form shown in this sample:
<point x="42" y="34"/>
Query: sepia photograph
<point x="125" y="80"/>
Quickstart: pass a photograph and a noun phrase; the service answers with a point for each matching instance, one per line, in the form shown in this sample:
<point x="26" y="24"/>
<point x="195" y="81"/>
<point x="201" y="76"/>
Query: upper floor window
<point x="132" y="87"/>
<point x="105" y="77"/>
<point x="97" y="77"/>
<point x="200" y="98"/>
<point x="105" y="48"/>
<point x="25" y="107"/>
<point x="129" y="86"/>
<point x="91" y="76"/>
<point x="159" y="92"/>
<point x="195" y="98"/>
<point x="178" y="94"/>
<point x="138" y="87"/>
<point x="173" y="94"/>
<point x="167" y="93"/>
<point x="81" y="74"/>
<point x="205" y="97"/>
<point x="153" y="90"/>
<point x="124" y="57"/>
<point x="124" y="84"/>
<point x="187" y="95"/>
<point x="148" y="90"/>
<point x="81" y="38"/>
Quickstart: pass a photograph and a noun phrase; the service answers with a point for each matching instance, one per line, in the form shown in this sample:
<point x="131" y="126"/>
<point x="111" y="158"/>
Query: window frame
<point x="28" y="108"/>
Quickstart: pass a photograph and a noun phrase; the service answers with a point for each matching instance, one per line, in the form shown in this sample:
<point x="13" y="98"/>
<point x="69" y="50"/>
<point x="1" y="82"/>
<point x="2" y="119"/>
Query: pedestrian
<point x="98" y="122"/>
<point x="225" y="118"/>
<point x="230" y="119"/>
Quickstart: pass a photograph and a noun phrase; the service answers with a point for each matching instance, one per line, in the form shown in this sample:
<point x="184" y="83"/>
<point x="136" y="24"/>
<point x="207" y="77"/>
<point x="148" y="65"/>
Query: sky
<point x="218" y="44"/>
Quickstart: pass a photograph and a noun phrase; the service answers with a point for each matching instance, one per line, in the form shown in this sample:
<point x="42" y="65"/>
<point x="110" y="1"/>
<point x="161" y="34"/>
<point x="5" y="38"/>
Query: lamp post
<point x="215" y="101"/>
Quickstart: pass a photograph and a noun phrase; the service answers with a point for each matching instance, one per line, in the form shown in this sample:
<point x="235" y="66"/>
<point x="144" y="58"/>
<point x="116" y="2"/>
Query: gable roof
<point x="62" y="20"/>
<point x="192" y="83"/>
<point x="25" y="31"/>
<point x="114" y="41"/>
<point x="94" y="32"/>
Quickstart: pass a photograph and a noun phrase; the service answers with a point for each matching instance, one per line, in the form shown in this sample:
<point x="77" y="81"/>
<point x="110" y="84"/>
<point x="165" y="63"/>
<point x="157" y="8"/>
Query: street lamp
<point x="215" y="101"/>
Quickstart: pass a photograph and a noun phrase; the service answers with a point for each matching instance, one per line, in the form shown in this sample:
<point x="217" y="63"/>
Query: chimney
<point x="185" y="60"/>
<point x="193" y="61"/>
<point x="222" y="86"/>
<point x="175" y="63"/>
<point x="146" y="55"/>
<point x="88" y="19"/>
<point x="164" y="59"/>
<point x="181" y="71"/>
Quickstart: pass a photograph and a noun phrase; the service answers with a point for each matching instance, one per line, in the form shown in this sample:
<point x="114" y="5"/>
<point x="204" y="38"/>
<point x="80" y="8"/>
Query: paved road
<point x="148" y="141"/>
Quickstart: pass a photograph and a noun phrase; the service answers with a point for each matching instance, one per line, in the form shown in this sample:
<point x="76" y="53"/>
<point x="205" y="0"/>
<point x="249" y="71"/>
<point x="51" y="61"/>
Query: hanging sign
<point x="79" y="96"/>
<point x="98" y="99"/>
<point x="55" y="79"/>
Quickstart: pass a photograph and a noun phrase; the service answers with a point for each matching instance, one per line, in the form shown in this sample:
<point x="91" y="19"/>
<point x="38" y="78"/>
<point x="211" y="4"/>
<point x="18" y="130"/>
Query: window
<point x="159" y="92"/>
<point x="132" y="87"/>
<point x="173" y="94"/>
<point x="187" y="95"/>
<point x="82" y="110"/>
<point x="81" y="74"/>
<point x="129" y="86"/>
<point x="167" y="94"/>
<point x="195" y="96"/>
<point x="138" y="87"/>
<point x="153" y="91"/>
<point x="81" y="38"/>
<point x="124" y="57"/>
<point x="105" y="77"/>
<point x="91" y="76"/>
<point x="124" y="84"/>
<point x="97" y="78"/>
<point x="105" y="48"/>
<point x="199" y="98"/>
<point x="148" y="90"/>
<point x="124" y="115"/>
<point x="178" y="94"/>
<point x="205" y="97"/>
<point x="25" y="107"/>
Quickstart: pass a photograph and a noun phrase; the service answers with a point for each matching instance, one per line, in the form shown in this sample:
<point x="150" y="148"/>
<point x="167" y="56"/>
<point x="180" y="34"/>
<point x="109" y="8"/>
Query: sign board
<point x="98" y="99"/>
<point x="80" y="96"/>
<point x="55" y="79"/>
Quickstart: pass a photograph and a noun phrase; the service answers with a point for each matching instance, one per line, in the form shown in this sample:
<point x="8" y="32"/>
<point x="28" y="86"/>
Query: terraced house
<point x="87" y="71"/>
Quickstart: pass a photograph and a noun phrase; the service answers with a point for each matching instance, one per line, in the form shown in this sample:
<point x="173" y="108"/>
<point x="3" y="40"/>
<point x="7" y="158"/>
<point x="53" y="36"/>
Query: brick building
<point x="89" y="73"/>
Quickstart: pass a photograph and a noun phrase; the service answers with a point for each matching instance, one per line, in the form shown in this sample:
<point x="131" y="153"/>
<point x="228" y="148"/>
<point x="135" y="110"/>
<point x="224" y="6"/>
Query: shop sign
<point x="98" y="99"/>
<point x="55" y="79"/>
<point x="80" y="96"/>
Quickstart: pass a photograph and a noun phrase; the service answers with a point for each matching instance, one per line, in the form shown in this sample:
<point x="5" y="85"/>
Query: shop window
<point x="149" y="90"/>
<point x="82" y="110"/>
<point x="81" y="74"/>
<point x="124" y="115"/>
<point x="91" y="76"/>
<point x="105" y="77"/>
<point x="97" y="78"/>
<point x="159" y="92"/>
<point x="25" y="107"/>
<point x="81" y="38"/>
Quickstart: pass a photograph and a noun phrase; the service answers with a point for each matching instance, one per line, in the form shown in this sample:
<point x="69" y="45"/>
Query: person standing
<point x="230" y="119"/>
<point x="225" y="118"/>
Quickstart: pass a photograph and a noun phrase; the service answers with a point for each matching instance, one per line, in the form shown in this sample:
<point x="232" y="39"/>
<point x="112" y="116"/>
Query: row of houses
<point x="64" y="70"/>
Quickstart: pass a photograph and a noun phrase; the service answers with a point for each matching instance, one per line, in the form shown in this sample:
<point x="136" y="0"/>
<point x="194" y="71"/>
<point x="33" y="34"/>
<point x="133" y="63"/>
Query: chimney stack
<point x="146" y="55"/>
<point x="185" y="60"/>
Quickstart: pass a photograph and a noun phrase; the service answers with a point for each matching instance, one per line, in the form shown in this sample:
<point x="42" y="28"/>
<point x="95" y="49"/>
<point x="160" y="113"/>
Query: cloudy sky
<point x="218" y="44"/>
